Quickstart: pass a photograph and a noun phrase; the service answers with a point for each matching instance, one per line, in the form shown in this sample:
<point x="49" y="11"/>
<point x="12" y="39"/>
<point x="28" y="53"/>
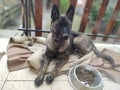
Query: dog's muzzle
<point x="65" y="36"/>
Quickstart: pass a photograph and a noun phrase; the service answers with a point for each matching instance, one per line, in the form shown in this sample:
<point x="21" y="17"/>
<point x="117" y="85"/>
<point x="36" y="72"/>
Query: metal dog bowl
<point x="78" y="84"/>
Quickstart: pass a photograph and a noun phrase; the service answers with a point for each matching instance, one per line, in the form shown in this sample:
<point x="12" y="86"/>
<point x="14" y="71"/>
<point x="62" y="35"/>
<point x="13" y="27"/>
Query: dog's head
<point x="61" y="25"/>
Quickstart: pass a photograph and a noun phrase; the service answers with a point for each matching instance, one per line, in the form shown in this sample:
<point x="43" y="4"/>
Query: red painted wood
<point x="85" y="15"/>
<point x="56" y="2"/>
<point x="23" y="13"/>
<point x="73" y="2"/>
<point x="99" y="17"/>
<point x="112" y="21"/>
<point x="38" y="16"/>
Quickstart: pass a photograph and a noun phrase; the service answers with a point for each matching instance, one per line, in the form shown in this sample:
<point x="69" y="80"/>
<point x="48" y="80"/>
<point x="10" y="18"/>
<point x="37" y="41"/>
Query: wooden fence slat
<point x="73" y="2"/>
<point x="85" y="15"/>
<point x="112" y="21"/>
<point x="38" y="16"/>
<point x="26" y="16"/>
<point x="99" y="17"/>
<point x="56" y="2"/>
<point x="23" y="14"/>
<point x="29" y="14"/>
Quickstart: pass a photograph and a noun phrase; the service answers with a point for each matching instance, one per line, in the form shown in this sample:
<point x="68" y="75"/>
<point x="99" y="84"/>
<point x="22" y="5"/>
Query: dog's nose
<point x="65" y="36"/>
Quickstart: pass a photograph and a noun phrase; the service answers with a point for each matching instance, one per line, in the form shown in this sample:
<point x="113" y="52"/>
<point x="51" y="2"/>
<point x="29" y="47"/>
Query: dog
<point x="62" y="42"/>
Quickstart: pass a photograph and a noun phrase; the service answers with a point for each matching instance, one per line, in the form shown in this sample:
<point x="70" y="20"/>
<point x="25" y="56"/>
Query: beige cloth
<point x="20" y="48"/>
<point x="17" y="55"/>
<point x="21" y="55"/>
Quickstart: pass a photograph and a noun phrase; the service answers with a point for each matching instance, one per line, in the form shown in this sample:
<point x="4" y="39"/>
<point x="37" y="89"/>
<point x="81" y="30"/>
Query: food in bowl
<point x="87" y="77"/>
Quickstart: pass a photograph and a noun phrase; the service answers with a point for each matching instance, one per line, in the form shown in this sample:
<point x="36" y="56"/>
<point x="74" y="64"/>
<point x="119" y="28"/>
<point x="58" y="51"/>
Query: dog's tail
<point x="104" y="56"/>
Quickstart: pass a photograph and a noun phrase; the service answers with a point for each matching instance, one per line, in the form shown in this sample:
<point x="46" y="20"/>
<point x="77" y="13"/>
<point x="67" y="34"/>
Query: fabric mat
<point x="27" y="52"/>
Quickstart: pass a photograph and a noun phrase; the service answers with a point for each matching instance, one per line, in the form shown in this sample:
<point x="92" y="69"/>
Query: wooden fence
<point x="37" y="16"/>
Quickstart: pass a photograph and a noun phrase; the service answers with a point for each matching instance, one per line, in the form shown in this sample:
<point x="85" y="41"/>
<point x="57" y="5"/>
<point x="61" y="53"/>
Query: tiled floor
<point x="24" y="79"/>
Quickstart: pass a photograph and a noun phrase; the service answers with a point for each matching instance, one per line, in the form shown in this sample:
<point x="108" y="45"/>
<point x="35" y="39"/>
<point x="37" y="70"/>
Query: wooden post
<point x="56" y="2"/>
<point x="73" y="2"/>
<point x="23" y="13"/>
<point x="85" y="15"/>
<point x="38" y="16"/>
<point x="99" y="17"/>
<point x="112" y="21"/>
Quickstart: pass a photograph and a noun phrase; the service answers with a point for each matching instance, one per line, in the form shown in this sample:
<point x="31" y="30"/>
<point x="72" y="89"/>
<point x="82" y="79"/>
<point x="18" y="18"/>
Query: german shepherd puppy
<point x="61" y="43"/>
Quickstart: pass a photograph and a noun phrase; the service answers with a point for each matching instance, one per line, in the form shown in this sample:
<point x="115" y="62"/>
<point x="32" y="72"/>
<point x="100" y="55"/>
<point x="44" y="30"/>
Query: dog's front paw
<point x="38" y="81"/>
<point x="49" y="78"/>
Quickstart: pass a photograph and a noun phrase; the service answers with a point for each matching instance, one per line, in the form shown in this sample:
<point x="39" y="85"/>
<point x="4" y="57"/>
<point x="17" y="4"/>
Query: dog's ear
<point x="55" y="13"/>
<point x="70" y="12"/>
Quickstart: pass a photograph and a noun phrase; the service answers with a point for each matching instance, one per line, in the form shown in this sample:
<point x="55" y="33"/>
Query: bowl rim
<point x="70" y="79"/>
<point x="101" y="82"/>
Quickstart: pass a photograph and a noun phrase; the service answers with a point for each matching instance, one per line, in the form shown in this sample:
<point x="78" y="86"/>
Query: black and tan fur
<point x="61" y="43"/>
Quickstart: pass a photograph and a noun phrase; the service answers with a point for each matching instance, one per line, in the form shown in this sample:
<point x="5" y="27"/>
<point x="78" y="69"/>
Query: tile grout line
<point x="51" y="86"/>
<point x="5" y="81"/>
<point x="18" y="80"/>
<point x="31" y="80"/>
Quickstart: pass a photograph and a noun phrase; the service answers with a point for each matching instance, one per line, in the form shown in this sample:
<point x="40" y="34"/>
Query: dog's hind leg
<point x="86" y="45"/>
<point x="44" y="64"/>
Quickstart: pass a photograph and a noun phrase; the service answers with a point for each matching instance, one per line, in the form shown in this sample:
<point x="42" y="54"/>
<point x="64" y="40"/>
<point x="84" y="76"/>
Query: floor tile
<point x="3" y="44"/>
<point x="115" y="87"/>
<point x="113" y="47"/>
<point x="7" y="33"/>
<point x="99" y="45"/>
<point x="3" y="68"/>
<point x="24" y="85"/>
<point x="61" y="85"/>
<point x="110" y="85"/>
<point x="1" y="84"/>
<point x="3" y="62"/>
<point x="117" y="48"/>
<point x="24" y="74"/>
<point x="61" y="77"/>
<point x="107" y="87"/>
